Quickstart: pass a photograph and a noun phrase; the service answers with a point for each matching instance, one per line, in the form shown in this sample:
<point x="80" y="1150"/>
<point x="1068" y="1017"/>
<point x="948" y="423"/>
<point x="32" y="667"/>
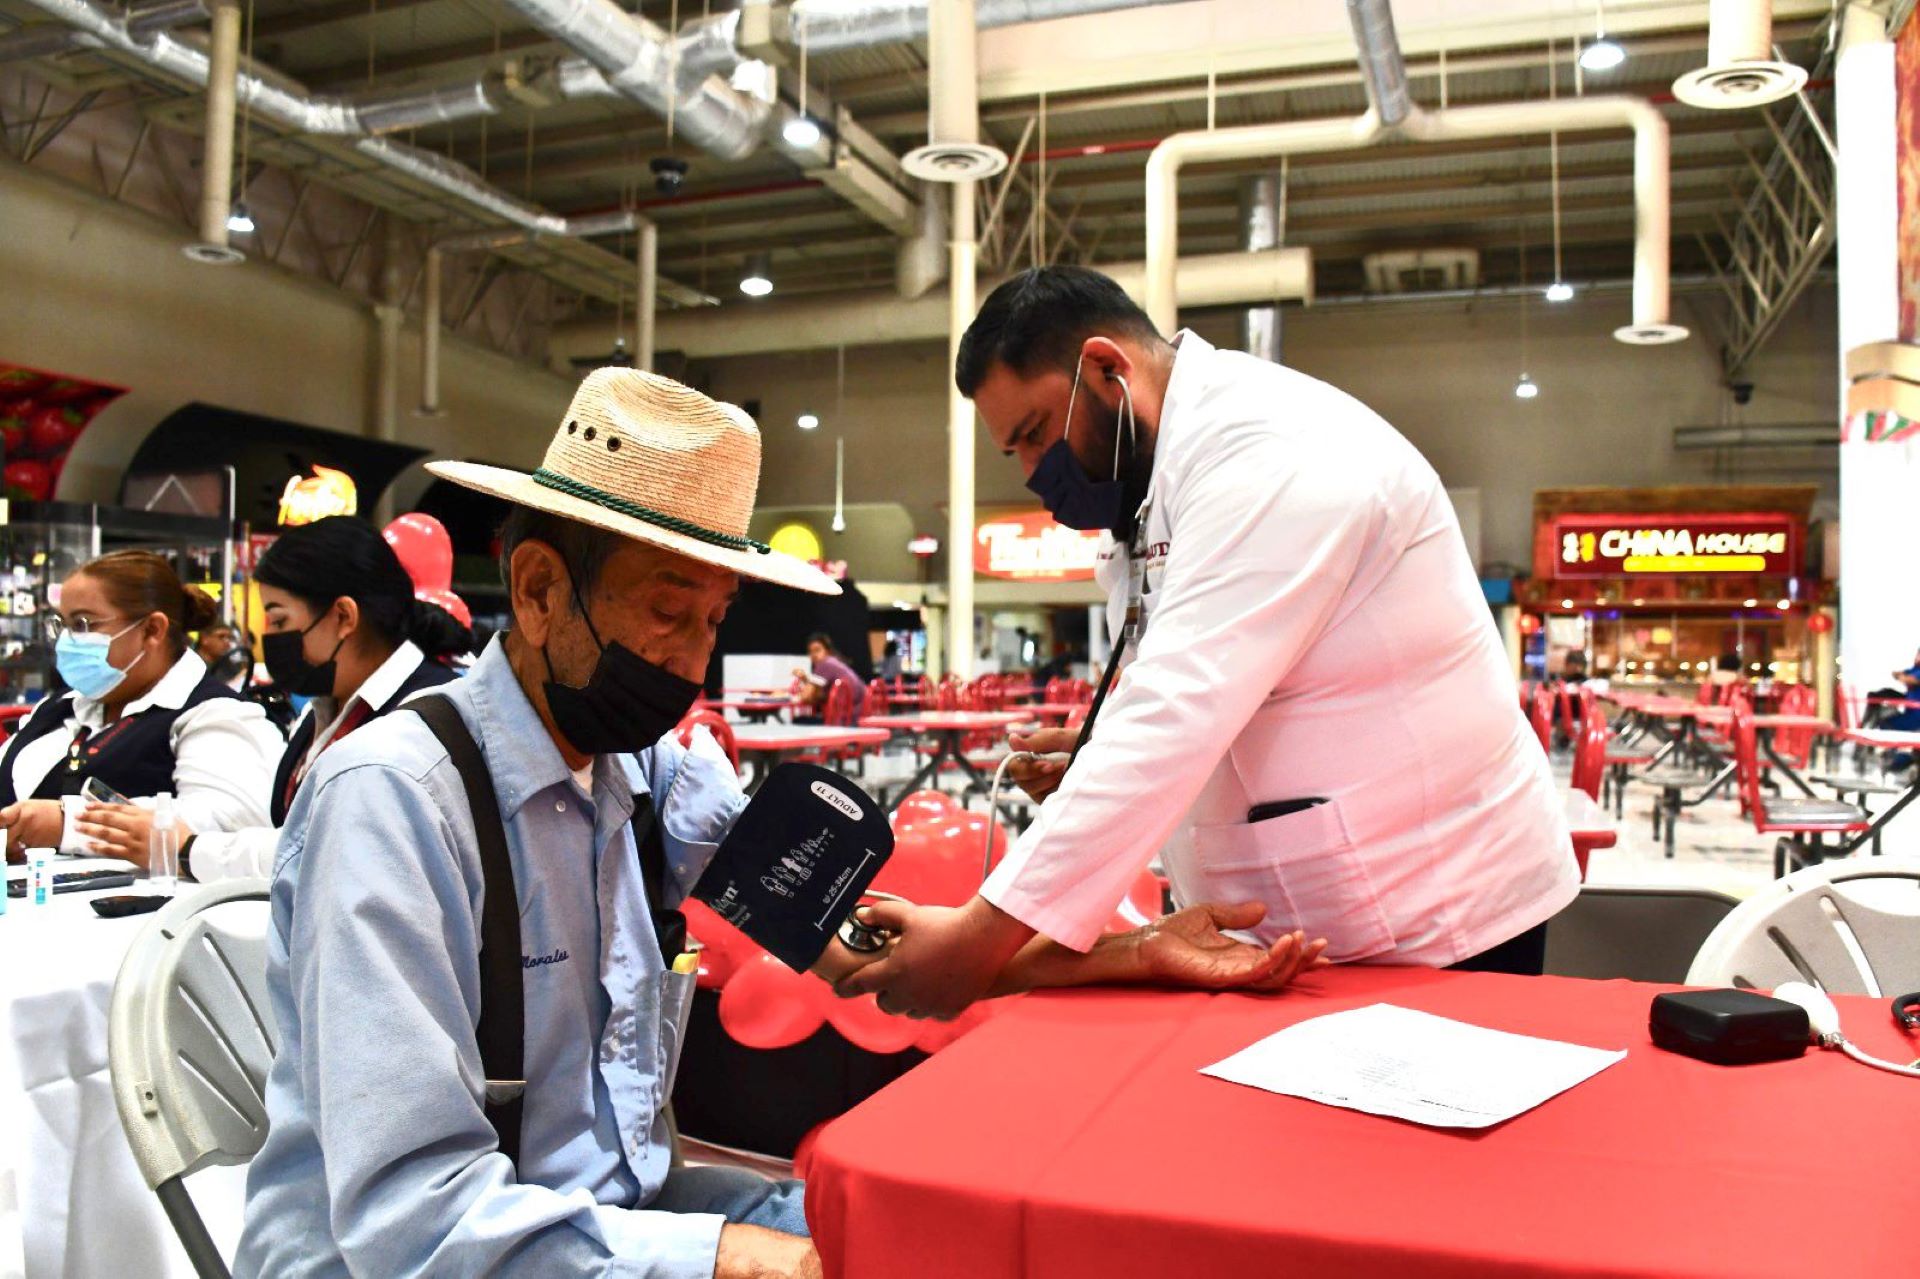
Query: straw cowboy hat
<point x="645" y="457"/>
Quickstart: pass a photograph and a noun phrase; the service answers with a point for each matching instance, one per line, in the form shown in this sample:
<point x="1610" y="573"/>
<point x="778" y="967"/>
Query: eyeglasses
<point x="53" y="626"/>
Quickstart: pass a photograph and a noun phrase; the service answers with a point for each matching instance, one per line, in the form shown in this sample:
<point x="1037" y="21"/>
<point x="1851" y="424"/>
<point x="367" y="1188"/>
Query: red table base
<point x="1071" y="1137"/>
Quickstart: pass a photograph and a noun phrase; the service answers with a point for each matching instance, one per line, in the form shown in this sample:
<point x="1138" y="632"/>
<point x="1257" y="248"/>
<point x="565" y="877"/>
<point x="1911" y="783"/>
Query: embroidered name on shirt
<point x="541" y="961"/>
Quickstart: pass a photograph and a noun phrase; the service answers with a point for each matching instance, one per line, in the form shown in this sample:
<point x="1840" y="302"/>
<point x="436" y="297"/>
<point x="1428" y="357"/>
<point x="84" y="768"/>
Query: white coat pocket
<point x="1303" y="866"/>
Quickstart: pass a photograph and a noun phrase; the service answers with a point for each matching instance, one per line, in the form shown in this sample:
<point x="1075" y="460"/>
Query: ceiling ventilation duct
<point x="1741" y="70"/>
<point x="1422" y="270"/>
<point x="954" y="152"/>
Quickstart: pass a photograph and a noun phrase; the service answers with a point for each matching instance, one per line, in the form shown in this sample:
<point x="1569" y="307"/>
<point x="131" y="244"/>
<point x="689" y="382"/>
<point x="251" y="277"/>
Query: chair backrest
<point x="1795" y="745"/>
<point x="879" y="699"/>
<point x="839" y="708"/>
<point x="715" y="723"/>
<point x="1590" y="754"/>
<point x="1852" y="704"/>
<point x="1639" y="934"/>
<point x="1543" y="716"/>
<point x="190" y="1035"/>
<point x="1850" y="927"/>
<point x="1746" y="760"/>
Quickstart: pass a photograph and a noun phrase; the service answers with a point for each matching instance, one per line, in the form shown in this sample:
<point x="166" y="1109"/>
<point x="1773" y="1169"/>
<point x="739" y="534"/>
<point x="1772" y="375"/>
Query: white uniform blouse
<point x="1314" y="629"/>
<point x="224" y="753"/>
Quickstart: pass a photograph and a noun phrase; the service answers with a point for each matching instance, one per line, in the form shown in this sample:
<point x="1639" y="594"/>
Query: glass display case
<point x="41" y="543"/>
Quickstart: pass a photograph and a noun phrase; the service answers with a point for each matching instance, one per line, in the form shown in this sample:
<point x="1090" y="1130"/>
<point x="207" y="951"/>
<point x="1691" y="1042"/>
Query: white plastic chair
<point x="1850" y="927"/>
<point x="1639" y="933"/>
<point x="190" y="1037"/>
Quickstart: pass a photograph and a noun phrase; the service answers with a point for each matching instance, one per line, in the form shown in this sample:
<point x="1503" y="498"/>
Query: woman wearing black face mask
<point x="344" y="629"/>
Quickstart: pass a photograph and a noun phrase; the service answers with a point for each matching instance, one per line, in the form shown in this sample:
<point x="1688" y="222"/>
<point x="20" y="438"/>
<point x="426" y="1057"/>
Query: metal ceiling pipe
<point x="640" y="61"/>
<point x="1382" y="68"/>
<point x="1651" y="195"/>
<point x="880" y="318"/>
<point x="646" y="295"/>
<point x="149" y="19"/>
<point x="430" y="335"/>
<point x="38" y="40"/>
<point x="1741" y="70"/>
<point x="920" y="261"/>
<point x="271" y="97"/>
<point x="1260" y="212"/>
<point x="216" y="165"/>
<point x="826" y="25"/>
<point x="953" y="151"/>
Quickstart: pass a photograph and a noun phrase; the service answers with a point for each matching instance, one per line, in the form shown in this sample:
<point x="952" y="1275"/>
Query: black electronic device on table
<point x="124" y="904"/>
<point x="77" y="881"/>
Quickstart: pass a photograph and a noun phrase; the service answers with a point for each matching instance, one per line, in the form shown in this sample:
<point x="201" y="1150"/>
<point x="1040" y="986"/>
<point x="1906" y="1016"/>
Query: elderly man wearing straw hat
<point x="477" y="1016"/>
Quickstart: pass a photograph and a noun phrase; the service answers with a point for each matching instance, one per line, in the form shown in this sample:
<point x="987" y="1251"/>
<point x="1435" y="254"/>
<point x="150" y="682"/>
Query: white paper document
<point x="1412" y="1065"/>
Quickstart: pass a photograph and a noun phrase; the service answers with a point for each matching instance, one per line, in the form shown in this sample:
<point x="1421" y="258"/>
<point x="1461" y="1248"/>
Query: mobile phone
<point x="98" y="792"/>
<point x="1281" y="808"/>
<point x="127" y="904"/>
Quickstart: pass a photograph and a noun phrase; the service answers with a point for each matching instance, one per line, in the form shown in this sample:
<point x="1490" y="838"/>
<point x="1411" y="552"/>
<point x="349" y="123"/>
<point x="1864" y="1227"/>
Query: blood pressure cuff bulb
<point x="796" y="861"/>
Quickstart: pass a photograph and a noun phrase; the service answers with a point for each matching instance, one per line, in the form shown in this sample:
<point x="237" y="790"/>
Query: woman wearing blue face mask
<point x="143" y="716"/>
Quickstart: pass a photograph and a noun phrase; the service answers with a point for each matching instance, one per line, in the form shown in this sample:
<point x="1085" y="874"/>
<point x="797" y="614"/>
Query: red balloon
<point x="932" y="865"/>
<point x="13" y="435"/>
<point x="768" y="1005"/>
<point x="723" y="947"/>
<point x="447" y="602"/>
<point x="922" y="806"/>
<point x="1140" y="906"/>
<point x="424" y="549"/>
<point x="27" y="480"/>
<point x="54" y="429"/>
<point x="862" y="1024"/>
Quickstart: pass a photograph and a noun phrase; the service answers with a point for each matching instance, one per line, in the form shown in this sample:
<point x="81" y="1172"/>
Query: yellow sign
<point x="314" y="497"/>
<point x="1694" y="564"/>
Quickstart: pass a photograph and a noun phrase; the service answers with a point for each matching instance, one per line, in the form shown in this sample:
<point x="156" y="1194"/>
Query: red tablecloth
<point x="1071" y="1137"/>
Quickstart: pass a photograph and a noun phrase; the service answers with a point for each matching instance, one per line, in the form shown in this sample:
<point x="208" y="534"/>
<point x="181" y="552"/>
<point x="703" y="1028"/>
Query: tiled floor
<point x="1715" y="847"/>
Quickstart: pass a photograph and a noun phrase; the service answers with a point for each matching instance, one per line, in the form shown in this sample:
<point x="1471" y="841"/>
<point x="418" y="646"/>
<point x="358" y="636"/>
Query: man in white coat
<point x="1313" y="711"/>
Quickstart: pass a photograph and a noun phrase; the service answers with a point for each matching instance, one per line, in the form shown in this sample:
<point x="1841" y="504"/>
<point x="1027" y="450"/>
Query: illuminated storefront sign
<point x="314" y="497"/>
<point x="1620" y="545"/>
<point x="1031" y="547"/>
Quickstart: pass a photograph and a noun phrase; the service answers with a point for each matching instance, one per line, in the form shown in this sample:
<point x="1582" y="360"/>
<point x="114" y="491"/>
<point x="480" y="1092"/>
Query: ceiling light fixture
<point x="239" y="221"/>
<point x="1603" y="54"/>
<point x="1526" y="388"/>
<point x="754" y="281"/>
<point x="1559" y="291"/>
<point x="800" y="131"/>
<point x="807" y="421"/>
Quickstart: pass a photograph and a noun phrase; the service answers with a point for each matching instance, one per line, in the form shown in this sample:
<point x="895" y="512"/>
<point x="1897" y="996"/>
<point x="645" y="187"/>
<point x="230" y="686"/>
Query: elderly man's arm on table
<point x="1259" y="564"/>
<point x="382" y="952"/>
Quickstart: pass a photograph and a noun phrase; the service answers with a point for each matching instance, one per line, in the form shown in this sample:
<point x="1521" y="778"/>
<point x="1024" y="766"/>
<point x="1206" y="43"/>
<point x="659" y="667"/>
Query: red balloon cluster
<point x="937" y="861"/>
<point x="421" y="544"/>
<point x="40" y="418"/>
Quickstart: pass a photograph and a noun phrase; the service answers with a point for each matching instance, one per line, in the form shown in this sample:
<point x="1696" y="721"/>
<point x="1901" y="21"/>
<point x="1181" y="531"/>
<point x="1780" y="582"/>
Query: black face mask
<point x="1075" y="498"/>
<point x="627" y="705"/>
<point x="287" y="663"/>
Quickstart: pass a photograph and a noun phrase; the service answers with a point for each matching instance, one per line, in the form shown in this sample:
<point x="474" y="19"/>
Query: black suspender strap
<point x="502" y="1028"/>
<point x="669" y="926"/>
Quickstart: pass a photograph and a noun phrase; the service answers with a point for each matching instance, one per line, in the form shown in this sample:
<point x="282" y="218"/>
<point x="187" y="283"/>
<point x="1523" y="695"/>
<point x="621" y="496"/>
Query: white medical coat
<point x="1313" y="629"/>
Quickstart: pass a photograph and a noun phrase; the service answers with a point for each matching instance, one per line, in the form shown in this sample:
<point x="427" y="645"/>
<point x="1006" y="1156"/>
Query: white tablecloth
<point x="71" y="1201"/>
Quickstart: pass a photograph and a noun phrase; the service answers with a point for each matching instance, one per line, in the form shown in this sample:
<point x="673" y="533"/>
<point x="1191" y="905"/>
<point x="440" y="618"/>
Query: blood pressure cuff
<point x="796" y="861"/>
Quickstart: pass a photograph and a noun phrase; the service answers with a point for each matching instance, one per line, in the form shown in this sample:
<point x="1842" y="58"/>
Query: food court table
<point x="1071" y="1137"/>
<point x="949" y="729"/>
<point x="754" y="709"/>
<point x="767" y="744"/>
<point x="71" y="1201"/>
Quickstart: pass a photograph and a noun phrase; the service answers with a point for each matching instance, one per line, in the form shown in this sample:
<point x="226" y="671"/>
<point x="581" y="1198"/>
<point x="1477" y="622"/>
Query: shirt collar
<point x="379" y="688"/>
<point x="172" y="691"/>
<point x="520" y="753"/>
<point x="1187" y="383"/>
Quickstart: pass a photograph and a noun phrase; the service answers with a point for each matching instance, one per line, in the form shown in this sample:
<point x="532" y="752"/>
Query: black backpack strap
<point x="502" y="1028"/>
<point x="669" y="926"/>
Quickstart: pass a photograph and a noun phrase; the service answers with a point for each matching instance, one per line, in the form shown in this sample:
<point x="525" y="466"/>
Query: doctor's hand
<point x="943" y="959"/>
<point x="1040" y="778"/>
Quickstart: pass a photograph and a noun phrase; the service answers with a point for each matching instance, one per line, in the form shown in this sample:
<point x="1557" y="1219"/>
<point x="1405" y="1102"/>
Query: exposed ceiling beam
<point x="313" y="16"/>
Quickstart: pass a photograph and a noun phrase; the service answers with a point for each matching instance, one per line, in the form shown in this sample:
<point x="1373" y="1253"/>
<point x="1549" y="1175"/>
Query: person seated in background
<point x="215" y="642"/>
<point x="892" y="661"/>
<point x="1726" y="670"/>
<point x="344" y="628"/>
<point x="143" y="717"/>
<point x="829" y="668"/>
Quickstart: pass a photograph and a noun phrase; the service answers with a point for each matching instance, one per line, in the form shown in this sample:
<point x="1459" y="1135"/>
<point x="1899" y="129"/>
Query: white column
<point x="960" y="440"/>
<point x="1879" y="609"/>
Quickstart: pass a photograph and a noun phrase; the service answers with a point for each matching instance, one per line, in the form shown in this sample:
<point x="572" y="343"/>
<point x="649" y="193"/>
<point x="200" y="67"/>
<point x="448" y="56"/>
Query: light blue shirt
<point x="380" y="1160"/>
